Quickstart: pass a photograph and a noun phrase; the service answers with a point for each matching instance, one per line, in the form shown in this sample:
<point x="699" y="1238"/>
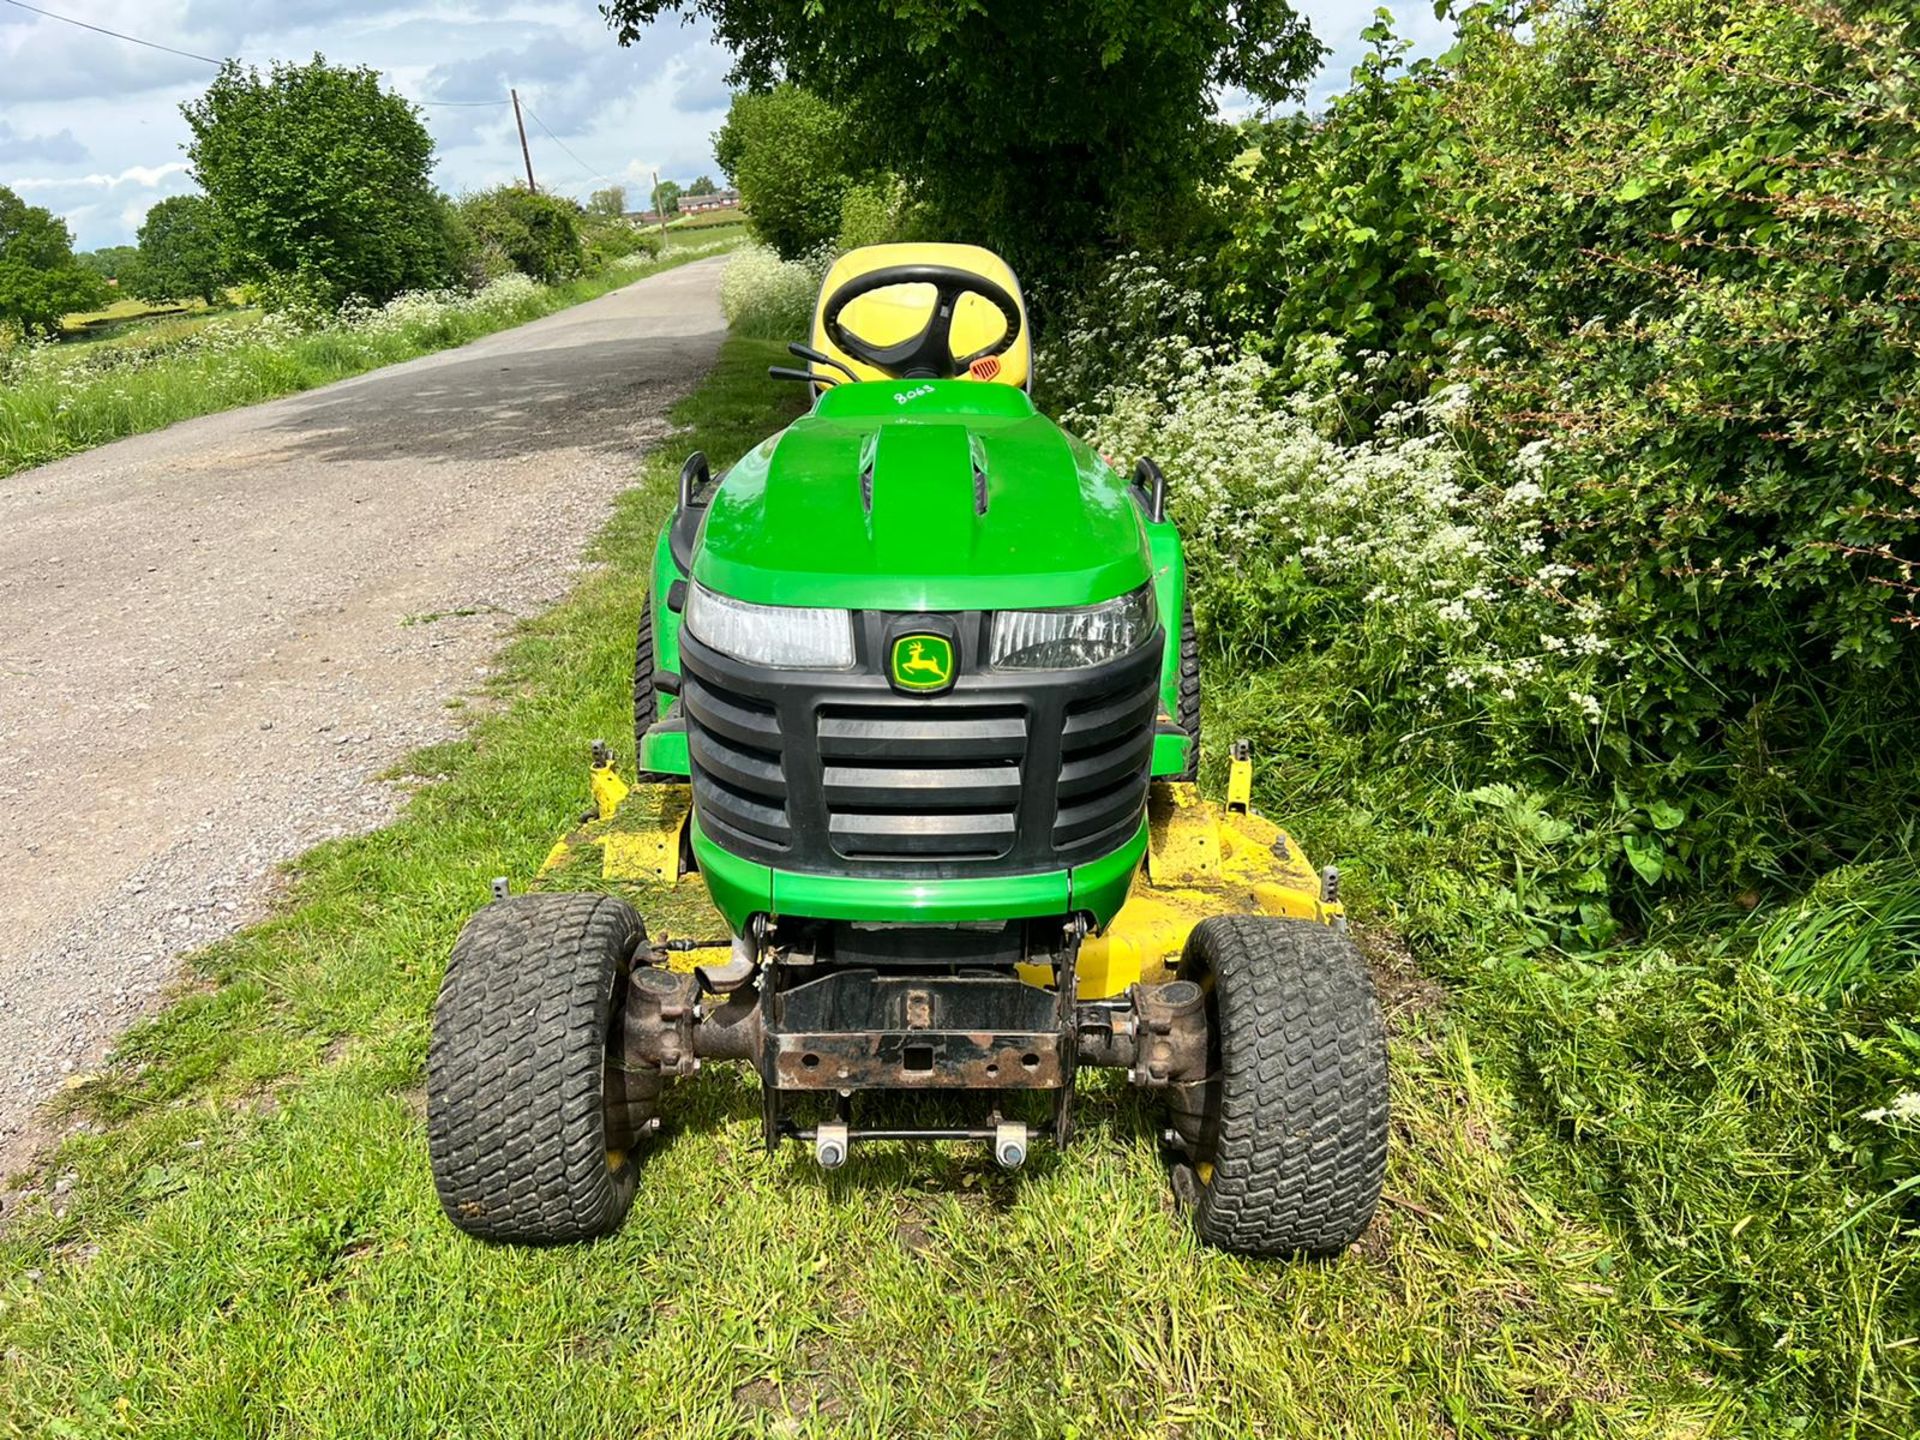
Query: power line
<point x="209" y="60"/>
<point x="189" y="54"/>
<point x="595" y="174"/>
<point x="102" y="30"/>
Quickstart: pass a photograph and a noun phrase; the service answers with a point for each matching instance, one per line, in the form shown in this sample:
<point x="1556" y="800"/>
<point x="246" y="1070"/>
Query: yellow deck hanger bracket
<point x="1240" y="778"/>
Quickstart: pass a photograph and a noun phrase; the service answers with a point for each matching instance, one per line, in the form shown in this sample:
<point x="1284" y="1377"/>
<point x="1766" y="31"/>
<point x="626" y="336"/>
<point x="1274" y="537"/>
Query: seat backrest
<point x="901" y="311"/>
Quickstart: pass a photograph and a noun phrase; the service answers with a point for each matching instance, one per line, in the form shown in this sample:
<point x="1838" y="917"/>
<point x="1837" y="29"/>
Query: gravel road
<point x="212" y="638"/>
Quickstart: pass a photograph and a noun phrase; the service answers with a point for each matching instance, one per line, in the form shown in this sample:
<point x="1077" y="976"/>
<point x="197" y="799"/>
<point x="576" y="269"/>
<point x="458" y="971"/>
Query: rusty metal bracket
<point x="663" y="1008"/>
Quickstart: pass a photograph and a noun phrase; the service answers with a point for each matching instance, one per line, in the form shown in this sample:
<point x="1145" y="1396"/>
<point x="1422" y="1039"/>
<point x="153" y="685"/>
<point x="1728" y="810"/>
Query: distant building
<point x="689" y="205"/>
<point x="719" y="200"/>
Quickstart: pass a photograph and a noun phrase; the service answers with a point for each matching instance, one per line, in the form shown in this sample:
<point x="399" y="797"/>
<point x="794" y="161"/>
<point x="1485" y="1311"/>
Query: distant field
<point x="116" y="318"/>
<point x="707" y="220"/>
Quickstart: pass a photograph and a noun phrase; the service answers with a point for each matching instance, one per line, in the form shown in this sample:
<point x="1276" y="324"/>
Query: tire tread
<point x="1300" y="1146"/>
<point x="516" y="1122"/>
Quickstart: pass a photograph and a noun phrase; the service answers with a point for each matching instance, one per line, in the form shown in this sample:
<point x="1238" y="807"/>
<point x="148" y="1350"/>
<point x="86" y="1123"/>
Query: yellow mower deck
<point x="1203" y="859"/>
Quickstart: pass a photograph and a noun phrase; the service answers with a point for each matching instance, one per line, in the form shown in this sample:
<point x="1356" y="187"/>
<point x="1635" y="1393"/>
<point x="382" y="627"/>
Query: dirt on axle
<point x="217" y="636"/>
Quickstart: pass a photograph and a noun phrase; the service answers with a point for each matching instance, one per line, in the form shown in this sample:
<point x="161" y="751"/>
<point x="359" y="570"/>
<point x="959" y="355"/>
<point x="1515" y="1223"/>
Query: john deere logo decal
<point x="922" y="662"/>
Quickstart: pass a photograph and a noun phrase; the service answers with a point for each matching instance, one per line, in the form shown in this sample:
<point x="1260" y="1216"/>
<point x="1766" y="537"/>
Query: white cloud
<point x="145" y="176"/>
<point x="59" y="148"/>
<point x="1337" y="25"/>
<point x="103" y="116"/>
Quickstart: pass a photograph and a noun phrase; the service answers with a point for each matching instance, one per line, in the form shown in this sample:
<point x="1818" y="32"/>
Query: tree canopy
<point x="181" y="252"/>
<point x="317" y="173"/>
<point x="40" y="280"/>
<point x="1039" y="129"/>
<point x="515" y="229"/>
<point x="610" y="201"/>
<point x="110" y="262"/>
<point x="786" y="151"/>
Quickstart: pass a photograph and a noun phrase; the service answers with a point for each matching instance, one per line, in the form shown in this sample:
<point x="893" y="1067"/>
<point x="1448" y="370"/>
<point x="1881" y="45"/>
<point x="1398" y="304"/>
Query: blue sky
<point x="90" y="127"/>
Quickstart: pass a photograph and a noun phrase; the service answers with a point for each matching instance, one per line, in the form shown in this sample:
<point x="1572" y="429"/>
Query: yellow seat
<point x="899" y="312"/>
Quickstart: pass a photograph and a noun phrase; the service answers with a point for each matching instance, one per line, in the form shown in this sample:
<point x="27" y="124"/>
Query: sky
<point x="90" y="127"/>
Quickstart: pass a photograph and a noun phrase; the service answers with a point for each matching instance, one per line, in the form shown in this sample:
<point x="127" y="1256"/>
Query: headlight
<point x="794" y="637"/>
<point x="1070" y="639"/>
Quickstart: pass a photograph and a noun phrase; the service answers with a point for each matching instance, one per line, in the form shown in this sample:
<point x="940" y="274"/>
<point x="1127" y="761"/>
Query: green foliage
<point x="182" y="252"/>
<point x="767" y="298"/>
<point x="1333" y="228"/>
<point x="111" y="262"/>
<point x="1752" y="1141"/>
<point x="703" y="186"/>
<point x="1677" y="294"/>
<point x="881" y="211"/>
<point x="1858" y="927"/>
<point x="611" y="201"/>
<point x="40" y="280"/>
<point x="1688" y="249"/>
<point x="609" y="238"/>
<point x="320" y="177"/>
<point x="1595" y="662"/>
<point x="515" y="229"/>
<point x="1044" y="131"/>
<point x="666" y="198"/>
<point x="788" y="153"/>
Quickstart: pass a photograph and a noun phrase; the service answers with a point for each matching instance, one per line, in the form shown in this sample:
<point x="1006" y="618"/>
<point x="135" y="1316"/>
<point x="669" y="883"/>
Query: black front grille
<point x="835" y="772"/>
<point x="939" y="782"/>
<point x="1106" y="747"/>
<point x="733" y="742"/>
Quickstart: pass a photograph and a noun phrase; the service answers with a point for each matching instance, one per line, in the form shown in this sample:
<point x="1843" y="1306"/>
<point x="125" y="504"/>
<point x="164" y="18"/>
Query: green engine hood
<point x="922" y="495"/>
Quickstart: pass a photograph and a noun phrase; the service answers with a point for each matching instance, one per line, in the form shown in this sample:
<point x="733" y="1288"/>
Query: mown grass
<point x="130" y="385"/>
<point x="88" y="326"/>
<point x="245" y="1239"/>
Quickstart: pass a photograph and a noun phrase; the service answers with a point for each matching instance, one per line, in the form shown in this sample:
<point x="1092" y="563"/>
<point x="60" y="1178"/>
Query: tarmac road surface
<point x="213" y="637"/>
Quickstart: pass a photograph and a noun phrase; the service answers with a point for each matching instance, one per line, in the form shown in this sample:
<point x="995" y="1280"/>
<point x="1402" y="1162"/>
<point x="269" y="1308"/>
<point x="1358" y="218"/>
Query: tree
<point x="1041" y="129"/>
<point x="666" y="197"/>
<point x="1337" y="228"/>
<point x="40" y="281"/>
<point x="538" y="235"/>
<point x="703" y="186"/>
<point x="110" y="262"/>
<point x="786" y="152"/>
<point x="181" y="252"/>
<point x="611" y="201"/>
<point x="319" y="176"/>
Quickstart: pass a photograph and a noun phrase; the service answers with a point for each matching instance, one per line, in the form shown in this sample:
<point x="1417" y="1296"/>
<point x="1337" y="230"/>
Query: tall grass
<point x="1728" y="1080"/>
<point x="767" y="298"/>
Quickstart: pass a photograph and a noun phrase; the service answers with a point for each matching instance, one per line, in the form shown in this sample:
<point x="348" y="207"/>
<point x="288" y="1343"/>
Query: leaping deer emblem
<point x="918" y="662"/>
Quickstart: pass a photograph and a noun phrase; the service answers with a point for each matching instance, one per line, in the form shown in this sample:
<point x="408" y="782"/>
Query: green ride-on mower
<point x="917" y="713"/>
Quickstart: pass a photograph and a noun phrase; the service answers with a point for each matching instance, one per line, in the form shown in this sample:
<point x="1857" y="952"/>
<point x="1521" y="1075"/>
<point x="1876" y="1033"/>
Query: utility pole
<point x="657" y="210"/>
<point x="525" y="154"/>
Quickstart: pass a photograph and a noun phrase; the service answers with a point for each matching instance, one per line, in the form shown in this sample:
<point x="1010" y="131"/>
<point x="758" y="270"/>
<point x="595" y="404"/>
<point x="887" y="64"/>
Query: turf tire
<point x="1188" y="716"/>
<point x="1297" y="1115"/>
<point x="518" y="1124"/>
